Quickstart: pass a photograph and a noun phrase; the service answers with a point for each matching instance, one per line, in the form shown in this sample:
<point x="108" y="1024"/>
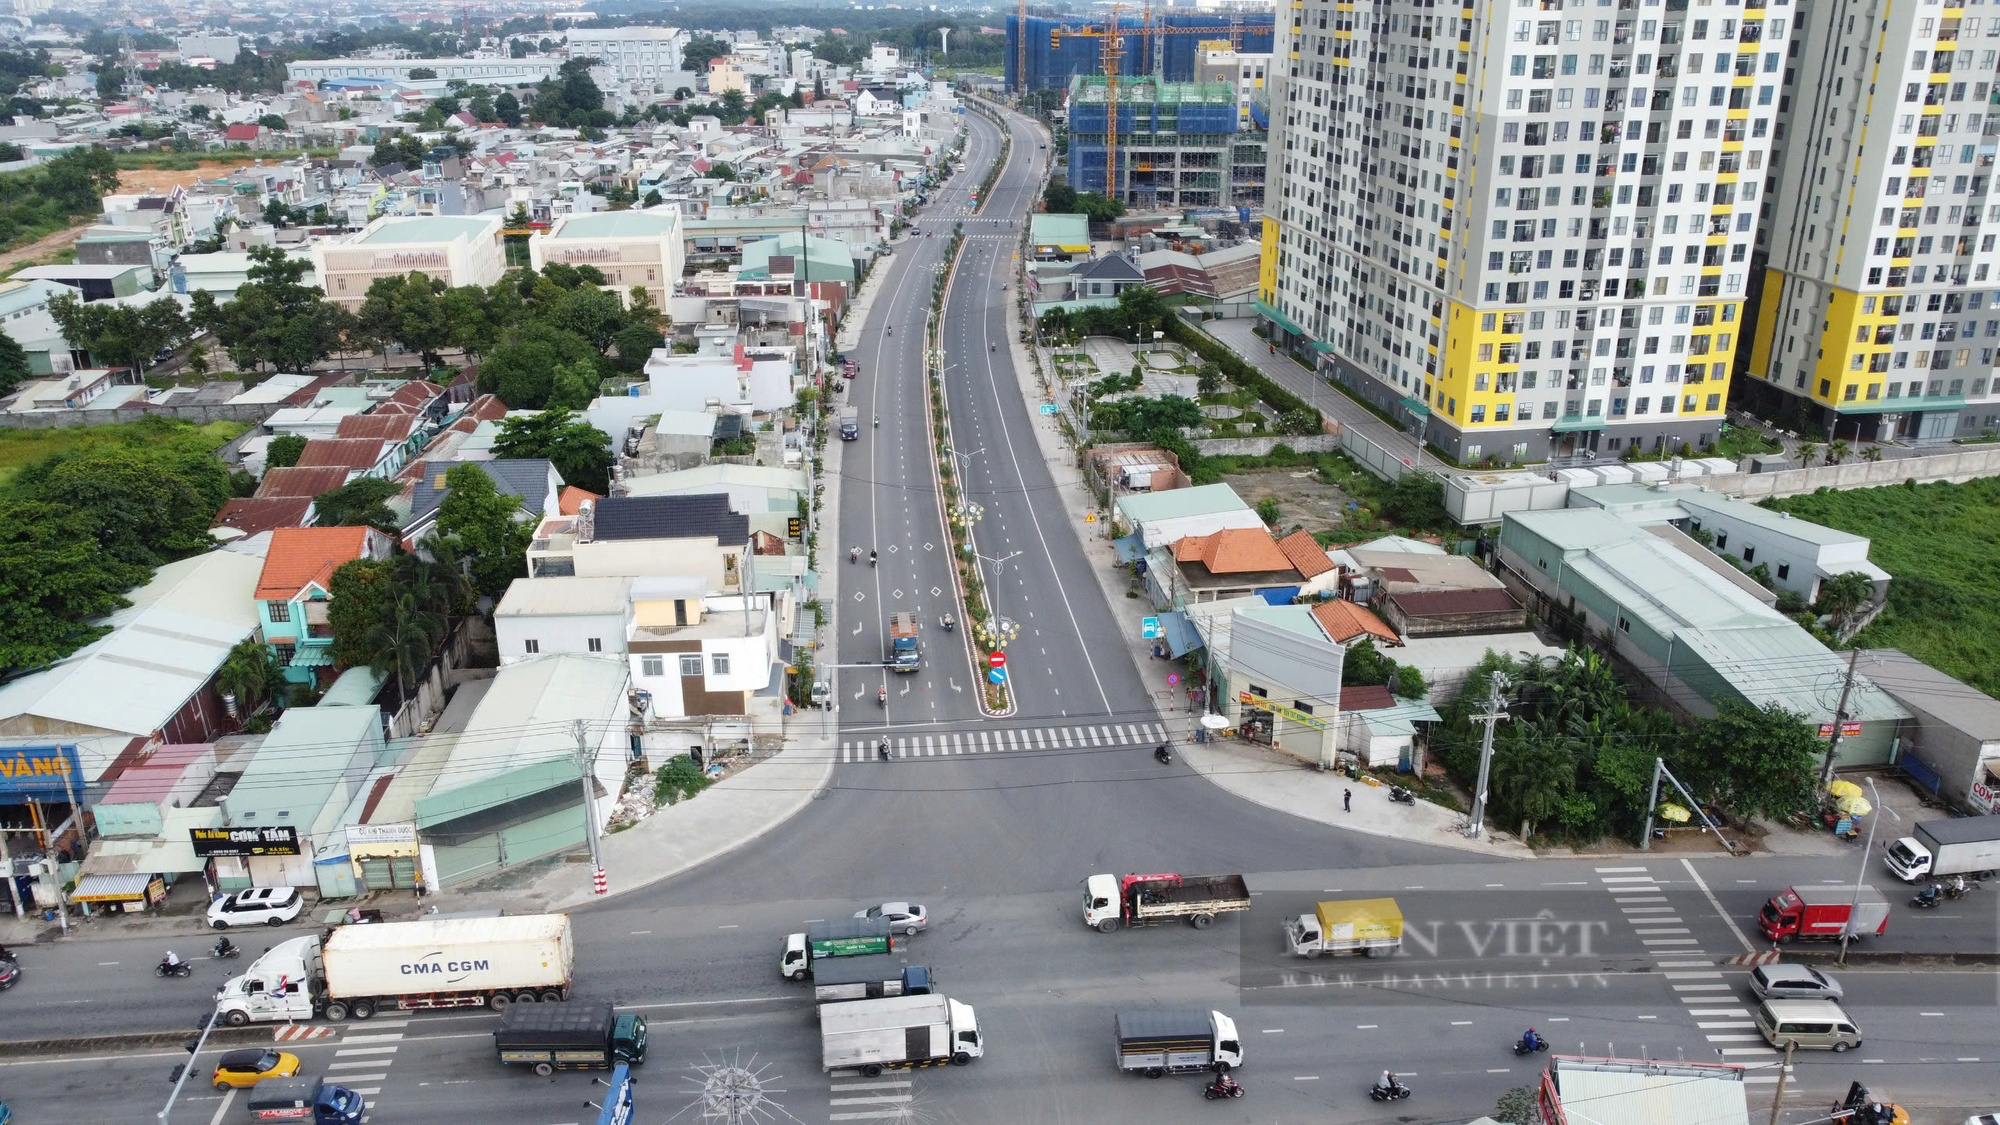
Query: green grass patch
<point x="21" y="447"/>
<point x="1942" y="544"/>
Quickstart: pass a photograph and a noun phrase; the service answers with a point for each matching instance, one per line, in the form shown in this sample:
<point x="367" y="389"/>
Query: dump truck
<point x="896" y="1032"/>
<point x="1110" y="901"/>
<point x="1155" y="1042"/>
<point x="869" y="978"/>
<point x="850" y="423"/>
<point x="904" y="655"/>
<point x="432" y="963"/>
<point x="1371" y="927"/>
<point x="570" y="1037"/>
<point x="1821" y="914"/>
<point x="840" y="937"/>
<point x="1966" y="846"/>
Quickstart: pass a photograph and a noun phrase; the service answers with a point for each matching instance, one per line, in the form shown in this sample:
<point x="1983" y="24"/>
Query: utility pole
<point x="583" y="767"/>
<point x="1494" y="712"/>
<point x="1839" y="721"/>
<point x="7" y="872"/>
<point x="1784" y="1073"/>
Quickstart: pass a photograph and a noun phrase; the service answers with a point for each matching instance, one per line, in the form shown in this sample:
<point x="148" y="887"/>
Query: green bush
<point x="677" y="779"/>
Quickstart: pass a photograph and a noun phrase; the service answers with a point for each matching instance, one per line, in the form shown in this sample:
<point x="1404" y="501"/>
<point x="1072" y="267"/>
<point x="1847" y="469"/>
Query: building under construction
<point x="1173" y="147"/>
<point x="1170" y="52"/>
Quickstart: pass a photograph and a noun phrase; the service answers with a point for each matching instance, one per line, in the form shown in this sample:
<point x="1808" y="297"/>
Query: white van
<point x="1807" y="1024"/>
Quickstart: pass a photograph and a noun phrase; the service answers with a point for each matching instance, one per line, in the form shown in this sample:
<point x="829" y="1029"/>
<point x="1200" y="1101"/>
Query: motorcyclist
<point x="871" y="558"/>
<point x="171" y="962"/>
<point x="882" y="748"/>
<point x="1386" y="1083"/>
<point x="224" y="947"/>
<point x="1162" y="753"/>
<point x="1531" y="1041"/>
<point x="854" y="554"/>
<point x="1956" y="886"/>
<point x="1929" y="893"/>
<point x="1223" y="1085"/>
<point x="882" y="695"/>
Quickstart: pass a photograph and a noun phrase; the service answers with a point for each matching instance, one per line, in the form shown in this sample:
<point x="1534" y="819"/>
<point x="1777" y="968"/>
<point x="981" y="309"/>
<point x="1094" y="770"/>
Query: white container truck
<point x="897" y="1032"/>
<point x="1155" y="1041"/>
<point x="1947" y="847"/>
<point x="436" y="963"/>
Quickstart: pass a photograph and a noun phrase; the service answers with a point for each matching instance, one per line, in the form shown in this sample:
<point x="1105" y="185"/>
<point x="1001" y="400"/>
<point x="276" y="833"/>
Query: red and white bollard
<point x="600" y="882"/>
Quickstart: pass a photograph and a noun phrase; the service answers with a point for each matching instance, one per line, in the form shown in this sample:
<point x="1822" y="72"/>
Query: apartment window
<point x="719" y="663"/>
<point x="531" y="646"/>
<point x="652" y="666"/>
<point x="278" y="612"/>
<point x="691" y="666"/>
<point x="594" y="644"/>
<point x="1784" y="571"/>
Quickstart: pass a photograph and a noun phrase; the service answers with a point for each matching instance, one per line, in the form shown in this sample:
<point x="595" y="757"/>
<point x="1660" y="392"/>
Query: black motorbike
<point x="176" y="969"/>
<point x="1402" y="796"/>
<point x="1163" y="755"/>
<point x="1222" y="1087"/>
<point x="225" y="950"/>
<point x="10" y="972"/>
<point x="1926" y="898"/>
<point x="1395" y="1093"/>
<point x="1522" y="1047"/>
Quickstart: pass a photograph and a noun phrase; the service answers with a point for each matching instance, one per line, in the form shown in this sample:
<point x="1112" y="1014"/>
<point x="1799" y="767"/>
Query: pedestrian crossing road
<point x="1004" y="740"/>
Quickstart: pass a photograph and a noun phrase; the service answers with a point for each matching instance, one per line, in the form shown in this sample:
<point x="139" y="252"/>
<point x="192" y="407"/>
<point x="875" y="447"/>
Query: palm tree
<point x="249" y="675"/>
<point x="1842" y="595"/>
<point x="404" y="642"/>
<point x="1534" y="776"/>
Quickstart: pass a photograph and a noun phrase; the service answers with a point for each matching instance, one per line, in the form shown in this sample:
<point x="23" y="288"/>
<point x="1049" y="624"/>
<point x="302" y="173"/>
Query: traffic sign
<point x="996" y="660"/>
<point x="1048" y="408"/>
<point x="1149" y="628"/>
<point x="1173" y="678"/>
<point x="997" y="675"/>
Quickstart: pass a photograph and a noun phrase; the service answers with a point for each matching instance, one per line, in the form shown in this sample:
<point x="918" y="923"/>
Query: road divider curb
<point x="224" y="1036"/>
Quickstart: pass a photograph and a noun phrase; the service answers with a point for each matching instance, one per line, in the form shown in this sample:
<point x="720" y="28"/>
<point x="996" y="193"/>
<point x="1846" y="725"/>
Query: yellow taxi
<point x="248" y="1067"/>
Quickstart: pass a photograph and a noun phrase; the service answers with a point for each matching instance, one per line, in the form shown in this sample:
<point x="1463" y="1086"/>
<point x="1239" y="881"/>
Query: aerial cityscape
<point x="1461" y="588"/>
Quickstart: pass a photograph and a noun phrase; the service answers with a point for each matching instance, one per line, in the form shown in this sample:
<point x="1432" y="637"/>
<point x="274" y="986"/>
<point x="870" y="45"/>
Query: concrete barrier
<point x="200" y="415"/>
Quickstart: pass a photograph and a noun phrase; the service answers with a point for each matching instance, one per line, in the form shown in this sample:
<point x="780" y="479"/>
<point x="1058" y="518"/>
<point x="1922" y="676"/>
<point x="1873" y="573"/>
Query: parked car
<point x="1793" y="982"/>
<point x="909" y="917"/>
<point x="269" y="906"/>
<point x="252" y="1065"/>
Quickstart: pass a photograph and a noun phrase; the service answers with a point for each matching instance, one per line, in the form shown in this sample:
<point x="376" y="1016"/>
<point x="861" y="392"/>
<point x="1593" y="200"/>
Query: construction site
<point x="1172" y="146"/>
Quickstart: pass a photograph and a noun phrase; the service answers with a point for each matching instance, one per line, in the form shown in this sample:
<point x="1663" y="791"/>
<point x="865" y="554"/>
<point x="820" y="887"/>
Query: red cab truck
<point x="1821" y="914"/>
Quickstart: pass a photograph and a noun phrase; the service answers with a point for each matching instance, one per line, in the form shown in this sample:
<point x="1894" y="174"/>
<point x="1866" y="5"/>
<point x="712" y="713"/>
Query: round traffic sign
<point x="996" y="660"/>
<point x="1173" y="679"/>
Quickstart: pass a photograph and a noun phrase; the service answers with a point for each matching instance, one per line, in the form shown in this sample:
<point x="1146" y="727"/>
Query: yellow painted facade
<point x="1267" y="263"/>
<point x="1853" y="351"/>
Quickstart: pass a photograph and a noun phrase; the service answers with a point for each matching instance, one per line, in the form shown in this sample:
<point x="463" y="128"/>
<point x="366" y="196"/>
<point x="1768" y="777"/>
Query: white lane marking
<point x="1748" y="1050"/>
<point x="221" y="1110"/>
<point x="1463" y="1023"/>
<point x="1717" y="907"/>
<point x="872" y="1099"/>
<point x="1364" y="1027"/>
<point x="1717" y="1025"/>
<point x="344" y="1051"/>
<point x="1649" y="1017"/>
<point x="1616" y="870"/>
<point x="1305" y="1077"/>
<point x="390" y="1037"/>
<point x="1558" y="1019"/>
<point x="1735" y="1039"/>
<point x="1273" y="1030"/>
<point x="1497" y="1070"/>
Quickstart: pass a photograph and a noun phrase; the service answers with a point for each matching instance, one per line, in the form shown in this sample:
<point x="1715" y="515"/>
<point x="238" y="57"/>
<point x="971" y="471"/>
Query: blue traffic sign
<point x="1149" y="628"/>
<point x="1048" y="408"/>
<point x="997" y="675"/>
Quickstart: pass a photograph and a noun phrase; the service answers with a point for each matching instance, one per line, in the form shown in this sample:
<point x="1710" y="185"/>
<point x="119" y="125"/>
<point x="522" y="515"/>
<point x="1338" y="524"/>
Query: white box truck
<point x="1155" y="1042"/>
<point x="896" y="1032"/>
<point x="435" y="963"/>
<point x="1964" y="846"/>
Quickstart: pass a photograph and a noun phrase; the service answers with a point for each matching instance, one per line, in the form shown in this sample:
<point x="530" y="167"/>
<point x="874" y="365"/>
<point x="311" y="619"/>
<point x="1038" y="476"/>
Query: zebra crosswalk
<point x="1005" y="740"/>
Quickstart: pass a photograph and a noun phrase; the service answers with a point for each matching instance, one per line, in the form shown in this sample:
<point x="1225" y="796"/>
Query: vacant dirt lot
<point x="160" y="179"/>
<point x="1303" y="502"/>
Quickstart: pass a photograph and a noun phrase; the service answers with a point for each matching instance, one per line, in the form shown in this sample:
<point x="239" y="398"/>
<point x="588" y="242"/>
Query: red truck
<point x="1821" y="914"/>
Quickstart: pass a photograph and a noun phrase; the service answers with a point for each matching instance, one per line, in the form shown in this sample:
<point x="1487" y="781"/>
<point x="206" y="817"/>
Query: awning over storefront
<point x="1279" y="595"/>
<point x="111" y="888"/>
<point x="1180" y="634"/>
<point x="1416" y="407"/>
<point x="1576" y="422"/>
<point x="1276" y="317"/>
<point x="1130" y="549"/>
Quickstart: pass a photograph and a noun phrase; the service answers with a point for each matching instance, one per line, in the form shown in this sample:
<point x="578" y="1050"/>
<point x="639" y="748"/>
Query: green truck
<point x="552" y="1037"/>
<point x="840" y="937"/>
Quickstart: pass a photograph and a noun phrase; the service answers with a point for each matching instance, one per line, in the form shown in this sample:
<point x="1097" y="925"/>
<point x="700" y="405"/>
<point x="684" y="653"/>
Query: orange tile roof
<point x="308" y="481"/>
<point x="1235" y="550"/>
<point x="348" y="453"/>
<point x="572" y="499"/>
<point x="376" y="427"/>
<point x="302" y="556"/>
<point x="252" y="514"/>
<point x="1306" y="553"/>
<point x="1345" y="621"/>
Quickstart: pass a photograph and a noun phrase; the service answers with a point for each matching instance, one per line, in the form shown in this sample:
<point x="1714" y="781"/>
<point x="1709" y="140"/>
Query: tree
<point x="407" y="311"/>
<point x="1143" y="310"/>
<point x="507" y="109"/>
<point x="700" y="50"/>
<point x="1365" y="665"/>
<point x="404" y="642"/>
<point x="521" y="368"/>
<point x="13" y="364"/>
<point x="141" y="506"/>
<point x="276" y="317"/>
<point x="481" y="521"/>
<point x="1098" y="208"/>
<point x="580" y="452"/>
<point x="360" y="594"/>
<point x="1416" y="500"/>
<point x="635" y="344"/>
<point x="1843" y="595"/>
<point x="468" y="320"/>
<point x="1059" y="197"/>
<point x="1758" y="761"/>
<point x="574" y="386"/>
<point x="422" y="73"/>
<point x="284" y="451"/>
<point x="126" y="334"/>
<point x="251" y="674"/>
<point x="359" y="503"/>
<point x="55" y="583"/>
<point x="1267" y="510"/>
<point x="273" y="122"/>
<point x="481" y="107"/>
<point x="1533" y="778"/>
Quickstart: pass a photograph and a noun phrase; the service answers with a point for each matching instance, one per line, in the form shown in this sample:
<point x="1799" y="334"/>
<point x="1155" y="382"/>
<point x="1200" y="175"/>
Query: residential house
<point x="1160" y="518"/>
<point x="532" y="482"/>
<point x="640" y="536"/>
<point x="304" y="776"/>
<point x="143" y="819"/>
<point x="1430" y="593"/>
<point x="506" y="788"/>
<point x="95" y="283"/>
<point x="295" y="589"/>
<point x="244" y="516"/>
<point x="1380" y="730"/>
<point x="301" y="482"/>
<point x="632" y="249"/>
<point x="1221" y="565"/>
<point x="568" y="616"/>
<point x="754" y="490"/>
<point x="1105" y="278"/>
<point x="1272" y="673"/>
<point x="709" y="670"/>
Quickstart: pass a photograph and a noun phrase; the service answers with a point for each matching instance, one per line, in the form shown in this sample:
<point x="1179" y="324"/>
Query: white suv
<point x="272" y="906"/>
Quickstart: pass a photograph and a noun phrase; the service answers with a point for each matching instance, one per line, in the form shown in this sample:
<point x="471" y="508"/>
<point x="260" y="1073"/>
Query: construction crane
<point x="1112" y="53"/>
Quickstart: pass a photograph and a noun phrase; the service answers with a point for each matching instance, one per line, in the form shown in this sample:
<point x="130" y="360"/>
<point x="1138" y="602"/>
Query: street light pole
<point x="1854" y="905"/>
